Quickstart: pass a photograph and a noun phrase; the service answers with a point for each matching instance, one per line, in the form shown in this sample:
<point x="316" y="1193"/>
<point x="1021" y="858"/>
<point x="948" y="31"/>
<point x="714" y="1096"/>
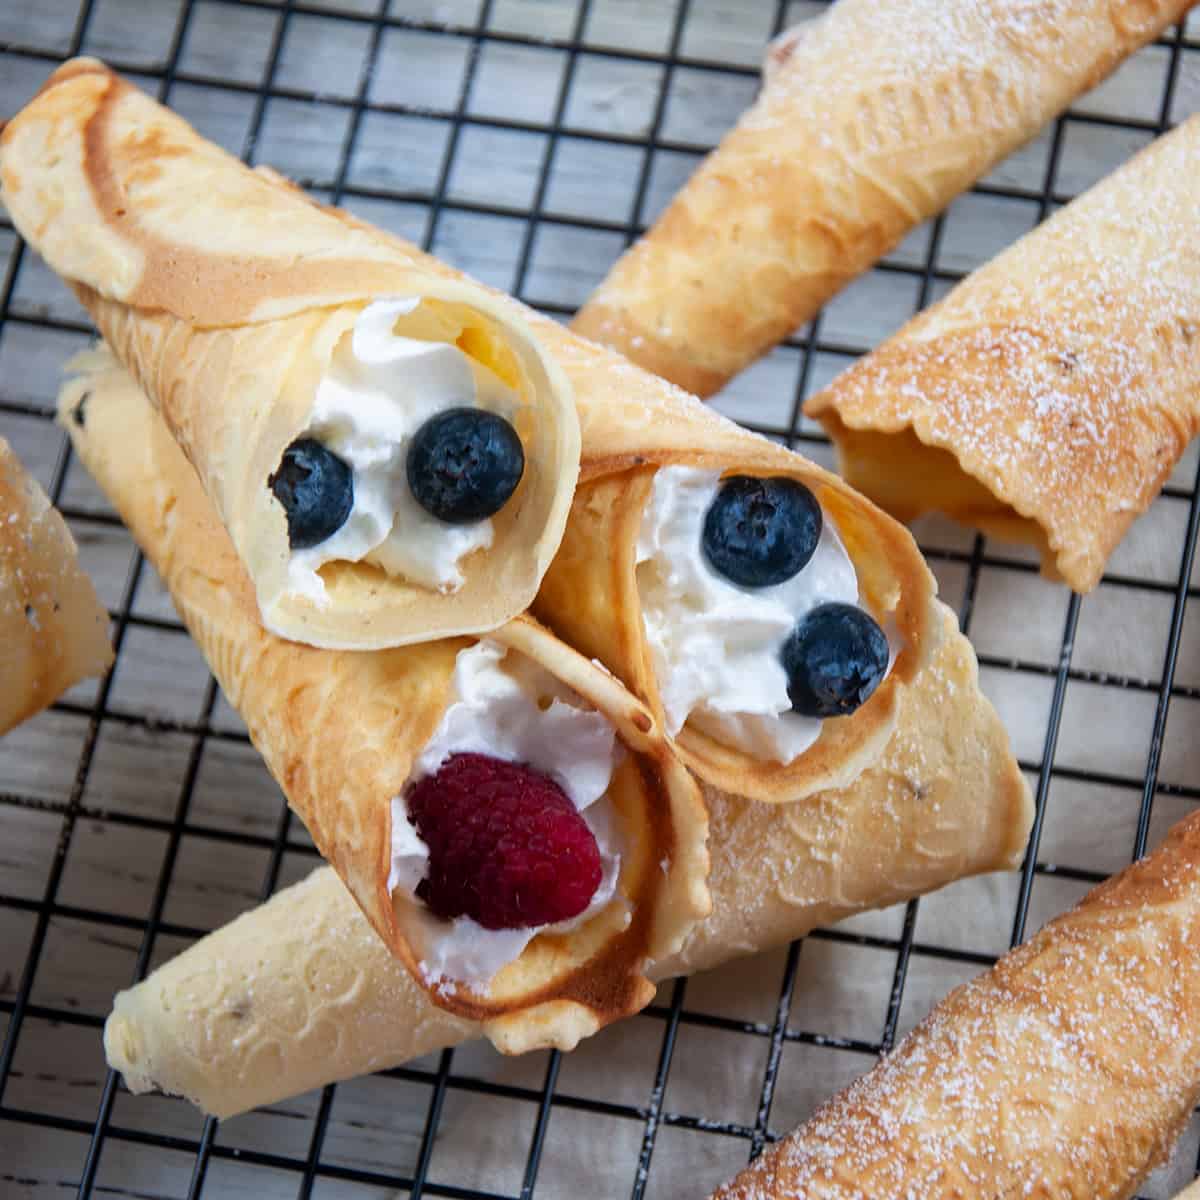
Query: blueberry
<point x="760" y="532"/>
<point x="464" y="464"/>
<point x="834" y="659"/>
<point x="316" y="489"/>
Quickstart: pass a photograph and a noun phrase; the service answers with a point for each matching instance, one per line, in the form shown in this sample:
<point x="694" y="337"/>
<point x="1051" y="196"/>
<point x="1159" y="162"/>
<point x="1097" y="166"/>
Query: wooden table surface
<point x="541" y="207"/>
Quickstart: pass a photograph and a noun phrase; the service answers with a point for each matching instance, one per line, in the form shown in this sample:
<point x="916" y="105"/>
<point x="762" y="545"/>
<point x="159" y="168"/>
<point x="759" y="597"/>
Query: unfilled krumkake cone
<point x="872" y="117"/>
<point x="1049" y="396"/>
<point x="1067" y="1072"/>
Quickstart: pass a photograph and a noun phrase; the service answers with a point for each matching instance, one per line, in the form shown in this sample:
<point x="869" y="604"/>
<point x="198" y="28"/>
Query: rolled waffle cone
<point x="872" y="117"/>
<point x="1048" y="397"/>
<point x="1067" y="1071"/>
<point x="300" y="992"/>
<point x="53" y="629"/>
<point x="340" y="730"/>
<point x="227" y="297"/>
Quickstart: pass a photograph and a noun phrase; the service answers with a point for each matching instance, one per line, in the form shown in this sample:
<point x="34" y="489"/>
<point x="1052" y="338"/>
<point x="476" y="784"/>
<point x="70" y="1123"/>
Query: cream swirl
<point x="715" y="646"/>
<point x="379" y="389"/>
<point x="509" y="708"/>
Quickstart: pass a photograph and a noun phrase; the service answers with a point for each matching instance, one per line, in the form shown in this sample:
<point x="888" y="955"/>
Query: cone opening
<point x="465" y="466"/>
<point x="895" y="468"/>
<point x="411" y="447"/>
<point x="539" y="733"/>
<point x="731" y="569"/>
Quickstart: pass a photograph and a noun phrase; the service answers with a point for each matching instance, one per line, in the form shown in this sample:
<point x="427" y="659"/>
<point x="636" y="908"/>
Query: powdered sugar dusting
<point x="873" y="117"/>
<point x="1068" y="1070"/>
<point x="1065" y="375"/>
<point x="1038" y="50"/>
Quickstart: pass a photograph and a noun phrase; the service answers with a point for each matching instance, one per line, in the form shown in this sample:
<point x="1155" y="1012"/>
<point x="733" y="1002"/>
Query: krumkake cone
<point x="872" y="117"/>
<point x="53" y="629"/>
<point x="300" y="992"/>
<point x="631" y="423"/>
<point x="339" y="731"/>
<point x="227" y="298"/>
<point x="1067" y="1072"/>
<point x="1049" y="396"/>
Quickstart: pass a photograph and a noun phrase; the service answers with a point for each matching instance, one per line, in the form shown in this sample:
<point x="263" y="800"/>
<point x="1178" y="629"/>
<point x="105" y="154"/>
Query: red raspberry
<point x="507" y="848"/>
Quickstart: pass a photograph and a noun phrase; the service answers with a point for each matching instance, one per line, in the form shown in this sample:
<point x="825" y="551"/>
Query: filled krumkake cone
<point x="1049" y="396"/>
<point x="1069" y="1070"/>
<point x="505" y="814"/>
<point x="53" y="628"/>
<point x="391" y="453"/>
<point x="300" y="992"/>
<point x="872" y="117"/>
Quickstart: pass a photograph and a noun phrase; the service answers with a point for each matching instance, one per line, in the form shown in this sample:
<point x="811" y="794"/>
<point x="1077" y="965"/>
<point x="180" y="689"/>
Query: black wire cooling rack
<point x="96" y="1145"/>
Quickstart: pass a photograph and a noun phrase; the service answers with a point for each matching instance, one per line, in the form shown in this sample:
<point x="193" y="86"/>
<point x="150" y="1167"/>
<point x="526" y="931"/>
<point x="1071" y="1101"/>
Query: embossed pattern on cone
<point x="1050" y="395"/>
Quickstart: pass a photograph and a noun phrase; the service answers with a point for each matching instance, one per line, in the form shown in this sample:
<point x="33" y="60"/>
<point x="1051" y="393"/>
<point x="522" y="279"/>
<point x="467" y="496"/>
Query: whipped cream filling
<point x="378" y="390"/>
<point x="715" y="645"/>
<point x="508" y="707"/>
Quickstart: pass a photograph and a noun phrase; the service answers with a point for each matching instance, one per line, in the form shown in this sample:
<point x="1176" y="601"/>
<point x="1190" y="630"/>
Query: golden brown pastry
<point x="303" y="365"/>
<point x="1065" y="1073"/>
<point x="53" y="629"/>
<point x="345" y="733"/>
<point x="1048" y="397"/>
<point x="300" y="992"/>
<point x="872" y="117"/>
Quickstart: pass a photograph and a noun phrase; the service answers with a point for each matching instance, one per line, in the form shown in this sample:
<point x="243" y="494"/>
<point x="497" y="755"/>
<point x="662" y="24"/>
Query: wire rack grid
<point x="527" y="141"/>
